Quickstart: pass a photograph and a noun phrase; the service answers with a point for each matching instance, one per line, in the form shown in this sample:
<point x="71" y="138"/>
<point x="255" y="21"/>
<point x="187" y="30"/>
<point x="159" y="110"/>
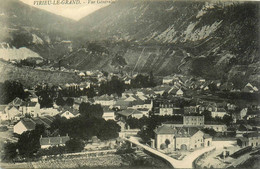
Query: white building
<point x="219" y="112"/>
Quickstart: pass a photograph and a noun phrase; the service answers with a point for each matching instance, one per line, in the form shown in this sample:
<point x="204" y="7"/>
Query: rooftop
<point x="129" y="112"/>
<point x="54" y="140"/>
<point x="177" y="131"/>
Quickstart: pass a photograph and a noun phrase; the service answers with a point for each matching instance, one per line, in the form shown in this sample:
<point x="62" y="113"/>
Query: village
<point x="175" y="115"/>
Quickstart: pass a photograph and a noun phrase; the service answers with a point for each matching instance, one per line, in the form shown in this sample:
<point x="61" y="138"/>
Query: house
<point x="108" y="114"/>
<point x="249" y="88"/>
<point x="249" y="139"/>
<point x="179" y="92"/>
<point x="144" y="111"/>
<point x="130" y="113"/>
<point x="16" y="102"/>
<point x="127" y="93"/>
<point x="252" y="114"/>
<point x="190" y="110"/>
<point x="227" y="86"/>
<point x="131" y="98"/>
<point x="32" y="108"/>
<point x="165" y="109"/>
<point x="47" y="142"/>
<point x="12" y="112"/>
<point x="69" y="113"/>
<point x="219" y="112"/>
<point x="180" y="138"/>
<point x="218" y="127"/>
<point x="127" y="80"/>
<point x="49" y="112"/>
<point x="104" y="100"/>
<point x="122" y="104"/>
<point x="33" y="97"/>
<point x="243" y="113"/>
<point x="76" y="103"/>
<point x="3" y="114"/>
<point x="167" y="80"/>
<point x="28" y="124"/>
<point x="193" y="120"/>
<point x="159" y="90"/>
<point x="140" y="104"/>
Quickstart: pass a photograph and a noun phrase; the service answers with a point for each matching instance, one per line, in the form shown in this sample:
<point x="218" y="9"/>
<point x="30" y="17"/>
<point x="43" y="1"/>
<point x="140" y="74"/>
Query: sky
<point x="72" y="11"/>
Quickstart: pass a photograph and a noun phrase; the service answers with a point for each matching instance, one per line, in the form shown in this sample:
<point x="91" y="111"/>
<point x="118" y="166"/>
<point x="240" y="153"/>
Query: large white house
<point x="105" y="100"/>
<point x="180" y="138"/>
<point x="218" y="112"/>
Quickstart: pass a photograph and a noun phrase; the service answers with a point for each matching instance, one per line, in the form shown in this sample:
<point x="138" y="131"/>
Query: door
<point x="183" y="147"/>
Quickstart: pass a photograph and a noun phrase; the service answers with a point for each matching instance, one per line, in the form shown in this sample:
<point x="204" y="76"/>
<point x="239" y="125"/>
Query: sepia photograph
<point x="129" y="84"/>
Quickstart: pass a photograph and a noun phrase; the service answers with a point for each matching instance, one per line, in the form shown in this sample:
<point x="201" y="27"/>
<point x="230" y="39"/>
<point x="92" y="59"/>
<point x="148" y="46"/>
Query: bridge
<point x="186" y="162"/>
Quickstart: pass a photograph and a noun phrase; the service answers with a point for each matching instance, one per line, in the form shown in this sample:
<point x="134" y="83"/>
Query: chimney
<point x="41" y="136"/>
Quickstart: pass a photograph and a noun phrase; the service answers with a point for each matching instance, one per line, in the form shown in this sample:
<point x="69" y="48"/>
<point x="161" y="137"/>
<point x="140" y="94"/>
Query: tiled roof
<point x="254" y="134"/>
<point x="129" y="112"/>
<point x="221" y="110"/>
<point x="67" y="108"/>
<point x="30" y="123"/>
<point x="206" y="136"/>
<point x="104" y="98"/>
<point x="177" y="131"/>
<point x="16" y="102"/>
<point x="29" y="104"/>
<point x="54" y="140"/>
<point x="122" y="102"/>
<point x="213" y="123"/>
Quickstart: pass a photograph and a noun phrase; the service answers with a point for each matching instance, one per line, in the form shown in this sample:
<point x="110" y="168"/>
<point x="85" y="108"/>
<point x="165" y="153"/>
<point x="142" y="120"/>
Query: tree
<point x="109" y="130"/>
<point x="227" y="119"/>
<point x="213" y="87"/>
<point x="45" y="99"/>
<point x="167" y="142"/>
<point x="134" y="123"/>
<point x="146" y="134"/>
<point x="209" y="131"/>
<point x="29" y="142"/>
<point x="207" y="115"/>
<point x="74" y="145"/>
<point x="9" y="90"/>
<point x="60" y="101"/>
<point x="9" y="151"/>
<point x="163" y="146"/>
<point x="70" y="101"/>
<point x="88" y="110"/>
<point x="90" y="92"/>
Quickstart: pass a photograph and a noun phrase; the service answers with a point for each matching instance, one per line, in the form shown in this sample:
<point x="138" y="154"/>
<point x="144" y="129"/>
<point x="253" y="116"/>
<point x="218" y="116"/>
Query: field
<point x="77" y="162"/>
<point x="30" y="76"/>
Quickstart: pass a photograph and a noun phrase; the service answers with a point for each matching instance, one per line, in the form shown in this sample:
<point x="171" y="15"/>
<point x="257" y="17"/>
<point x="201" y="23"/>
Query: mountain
<point x="199" y="38"/>
<point x="24" y="26"/>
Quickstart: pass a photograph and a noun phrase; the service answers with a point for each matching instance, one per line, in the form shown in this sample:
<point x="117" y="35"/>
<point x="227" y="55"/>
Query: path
<point x="187" y="162"/>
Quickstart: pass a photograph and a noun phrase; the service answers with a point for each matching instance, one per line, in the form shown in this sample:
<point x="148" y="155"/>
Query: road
<point x="184" y="163"/>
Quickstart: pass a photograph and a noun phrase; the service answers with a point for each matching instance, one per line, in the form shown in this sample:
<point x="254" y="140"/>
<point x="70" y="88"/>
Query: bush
<point x="9" y="152"/>
<point x="74" y="145"/>
<point x="3" y="128"/>
<point x="57" y="150"/>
